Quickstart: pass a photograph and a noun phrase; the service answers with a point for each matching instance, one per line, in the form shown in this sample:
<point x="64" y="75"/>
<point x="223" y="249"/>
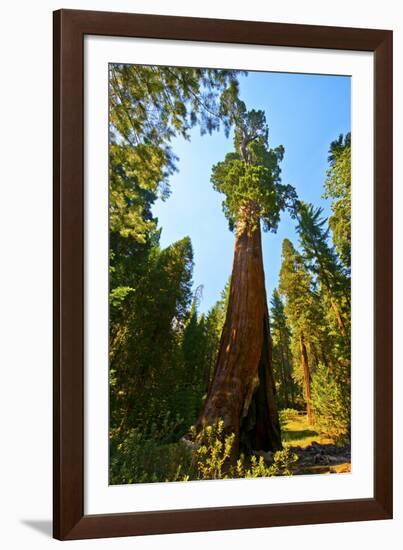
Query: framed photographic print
<point x="222" y="274"/>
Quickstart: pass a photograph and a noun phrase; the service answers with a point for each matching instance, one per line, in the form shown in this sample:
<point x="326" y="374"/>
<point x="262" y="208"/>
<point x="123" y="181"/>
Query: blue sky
<point x="304" y="113"/>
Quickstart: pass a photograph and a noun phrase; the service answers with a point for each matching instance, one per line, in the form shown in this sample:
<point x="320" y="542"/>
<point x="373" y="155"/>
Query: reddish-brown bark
<point x="340" y="321"/>
<point x="242" y="392"/>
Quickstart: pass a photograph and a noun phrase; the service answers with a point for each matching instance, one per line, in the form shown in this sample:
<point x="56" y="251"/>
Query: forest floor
<point x="317" y="452"/>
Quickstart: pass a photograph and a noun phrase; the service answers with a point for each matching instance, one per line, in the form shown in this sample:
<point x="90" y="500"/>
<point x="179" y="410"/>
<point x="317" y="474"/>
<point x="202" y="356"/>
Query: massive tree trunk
<point x="242" y="392"/>
<point x="307" y="378"/>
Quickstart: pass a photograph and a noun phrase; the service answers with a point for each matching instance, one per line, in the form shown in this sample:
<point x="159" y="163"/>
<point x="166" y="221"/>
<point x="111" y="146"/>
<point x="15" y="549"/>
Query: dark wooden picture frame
<point x="70" y="27"/>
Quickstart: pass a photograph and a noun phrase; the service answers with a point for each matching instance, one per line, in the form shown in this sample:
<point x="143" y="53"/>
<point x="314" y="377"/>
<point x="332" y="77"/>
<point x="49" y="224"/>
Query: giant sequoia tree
<point x="242" y="392"/>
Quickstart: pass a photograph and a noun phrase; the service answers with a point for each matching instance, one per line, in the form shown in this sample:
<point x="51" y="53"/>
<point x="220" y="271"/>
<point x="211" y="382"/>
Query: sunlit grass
<point x="298" y="432"/>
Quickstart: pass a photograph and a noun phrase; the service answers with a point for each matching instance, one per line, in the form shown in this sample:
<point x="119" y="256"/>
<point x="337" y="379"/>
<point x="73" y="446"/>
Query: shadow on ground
<point x="293" y="435"/>
<point x="43" y="526"/>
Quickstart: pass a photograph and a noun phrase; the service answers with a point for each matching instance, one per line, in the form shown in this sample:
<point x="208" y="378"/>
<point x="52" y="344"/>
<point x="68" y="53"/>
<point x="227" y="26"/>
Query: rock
<point x="321" y="458"/>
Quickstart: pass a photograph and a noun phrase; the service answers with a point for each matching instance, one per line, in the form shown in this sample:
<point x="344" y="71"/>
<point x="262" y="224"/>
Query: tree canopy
<point x="249" y="177"/>
<point x="149" y="106"/>
<point x="338" y="188"/>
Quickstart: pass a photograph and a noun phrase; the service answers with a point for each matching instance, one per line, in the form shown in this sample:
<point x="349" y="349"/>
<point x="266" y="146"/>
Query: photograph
<point x="203" y="249"/>
<point x="229" y="274"/>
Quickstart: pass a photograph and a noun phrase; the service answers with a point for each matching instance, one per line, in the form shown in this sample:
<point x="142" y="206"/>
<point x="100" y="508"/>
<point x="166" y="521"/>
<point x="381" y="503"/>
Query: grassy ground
<point x="298" y="433"/>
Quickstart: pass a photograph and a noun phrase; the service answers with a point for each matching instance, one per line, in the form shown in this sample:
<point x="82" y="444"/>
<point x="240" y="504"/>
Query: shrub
<point x="281" y="465"/>
<point x="145" y="456"/>
<point x="213" y="452"/>
<point x="213" y="458"/>
<point x="331" y="403"/>
<point x="283" y="461"/>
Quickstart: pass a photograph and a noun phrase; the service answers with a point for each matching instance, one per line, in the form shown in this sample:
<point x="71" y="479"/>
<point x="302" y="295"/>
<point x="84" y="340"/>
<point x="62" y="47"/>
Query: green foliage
<point x="118" y="295"/>
<point x="302" y="309"/>
<point x="332" y="283"/>
<point x="302" y="306"/>
<point x="250" y="177"/>
<point x="321" y="257"/>
<point x="252" y="189"/>
<point x="135" y="174"/>
<point x="312" y="309"/>
<point x="214" y="453"/>
<point x="145" y="341"/>
<point x="154" y="104"/>
<point x="149" y="106"/>
<point x="214" y="323"/>
<point x="283" y="463"/>
<point x="338" y="188"/>
<point x="287" y="389"/>
<point x="331" y="402"/>
<point x="165" y="389"/>
<point x="145" y="455"/>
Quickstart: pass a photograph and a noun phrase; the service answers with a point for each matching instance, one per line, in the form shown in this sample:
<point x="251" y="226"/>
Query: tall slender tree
<point x="242" y="392"/>
<point x="214" y="324"/>
<point x="324" y="262"/>
<point x="302" y="309"/>
<point x="282" y="356"/>
<point x="143" y="343"/>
